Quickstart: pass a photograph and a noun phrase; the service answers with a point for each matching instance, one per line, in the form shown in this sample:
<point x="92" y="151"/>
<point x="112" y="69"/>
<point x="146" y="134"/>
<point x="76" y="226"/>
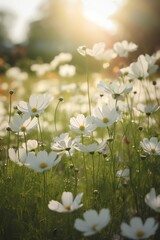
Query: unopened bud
<point x="76" y="170"/>
<point x="71" y="166"/>
<point x="8" y="129"/>
<point x="140" y="128"/>
<point x="61" y="99"/>
<point x="143" y="157"/>
<point x="96" y="192"/>
<point x="154" y="82"/>
<point x="11" y="92"/>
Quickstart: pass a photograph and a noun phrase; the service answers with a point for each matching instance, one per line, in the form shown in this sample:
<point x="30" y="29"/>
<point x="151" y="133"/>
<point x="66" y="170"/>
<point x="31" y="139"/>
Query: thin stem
<point x="25" y="140"/>
<point x="40" y="130"/>
<point x="88" y="86"/>
<point x="55" y="114"/>
<point x="84" y="162"/>
<point x="93" y="171"/>
<point x="44" y="203"/>
<point x="9" y="121"/>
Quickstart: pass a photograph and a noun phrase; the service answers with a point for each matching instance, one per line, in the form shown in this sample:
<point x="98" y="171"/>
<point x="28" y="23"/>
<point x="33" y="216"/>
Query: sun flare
<point x="100" y="11"/>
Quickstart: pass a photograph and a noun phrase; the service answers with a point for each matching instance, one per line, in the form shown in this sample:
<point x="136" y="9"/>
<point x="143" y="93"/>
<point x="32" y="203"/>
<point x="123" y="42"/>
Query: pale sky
<point x="98" y="11"/>
<point x="26" y="11"/>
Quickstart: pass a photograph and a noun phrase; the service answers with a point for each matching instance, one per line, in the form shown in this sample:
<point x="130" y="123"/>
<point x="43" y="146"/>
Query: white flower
<point x="92" y="148"/>
<point x="124" y="71"/>
<point x="97" y="49"/>
<point x="16" y="73"/>
<point x="31" y="145"/>
<point x="93" y="222"/>
<point x="82" y="124"/>
<point x="105" y="116"/>
<point x="152" y="67"/>
<point x="152" y="200"/>
<point x="115" y="88"/>
<point x="138" y="230"/>
<point x="67" y="70"/>
<point x="23" y="125"/>
<point x="125" y="173"/>
<point x="152" y="146"/>
<point x="147" y="109"/>
<point x="36" y="105"/>
<point x="68" y="204"/>
<point x="124" y="47"/>
<point x="107" y="55"/>
<point x="139" y="69"/>
<point x="64" y="143"/>
<point x="41" y="69"/>
<point x="42" y="161"/>
<point x="60" y="58"/>
<point x="17" y="156"/>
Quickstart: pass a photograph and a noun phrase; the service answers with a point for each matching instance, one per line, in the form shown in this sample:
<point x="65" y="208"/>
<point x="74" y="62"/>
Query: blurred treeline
<point x="62" y="27"/>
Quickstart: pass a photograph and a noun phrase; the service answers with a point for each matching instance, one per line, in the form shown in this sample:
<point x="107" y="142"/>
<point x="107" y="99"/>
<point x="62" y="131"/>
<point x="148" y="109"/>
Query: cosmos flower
<point x="59" y="59"/>
<point x="40" y="69"/>
<point x="68" y="204"/>
<point x="105" y="116"/>
<point x="37" y="104"/>
<point x="115" y="88"/>
<point x="148" y="110"/>
<point x="23" y="124"/>
<point x="124" y="47"/>
<point x="138" y="230"/>
<point x="64" y="143"/>
<point x="42" y="161"/>
<point x="82" y="124"/>
<point x="16" y="74"/>
<point x="92" y="148"/>
<point x="125" y="173"/>
<point x="17" y="156"/>
<point x="67" y="70"/>
<point x="152" y="200"/>
<point x="93" y="222"/>
<point x="97" y="49"/>
<point x="152" y="146"/>
<point x="31" y="145"/>
<point x="106" y="56"/>
<point x="152" y="67"/>
<point x="139" y="69"/>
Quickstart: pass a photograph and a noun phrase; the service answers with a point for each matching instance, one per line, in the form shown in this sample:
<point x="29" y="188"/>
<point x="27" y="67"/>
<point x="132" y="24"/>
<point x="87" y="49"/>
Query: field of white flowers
<point x="80" y="152"/>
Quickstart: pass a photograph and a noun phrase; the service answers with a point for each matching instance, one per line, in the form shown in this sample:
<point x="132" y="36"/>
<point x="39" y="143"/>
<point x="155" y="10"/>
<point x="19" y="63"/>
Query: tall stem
<point x="55" y="114"/>
<point x="9" y="130"/>
<point x="88" y="86"/>
<point x="40" y="130"/>
<point x="93" y="171"/>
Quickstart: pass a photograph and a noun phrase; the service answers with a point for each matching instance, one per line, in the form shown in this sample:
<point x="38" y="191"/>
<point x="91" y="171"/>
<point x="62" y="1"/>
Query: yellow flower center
<point x="34" y="110"/>
<point x="67" y="207"/>
<point x="94" y="228"/>
<point x="153" y="150"/>
<point x="43" y="165"/>
<point x="82" y="128"/>
<point x="140" y="234"/>
<point x="105" y="120"/>
<point x="23" y="129"/>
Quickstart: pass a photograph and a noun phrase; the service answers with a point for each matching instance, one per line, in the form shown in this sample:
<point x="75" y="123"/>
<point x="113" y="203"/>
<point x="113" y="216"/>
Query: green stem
<point x="84" y="162"/>
<point x="40" y="130"/>
<point x="25" y="140"/>
<point x="44" y="203"/>
<point x="93" y="171"/>
<point x="88" y="86"/>
<point x="9" y="133"/>
<point x="55" y="114"/>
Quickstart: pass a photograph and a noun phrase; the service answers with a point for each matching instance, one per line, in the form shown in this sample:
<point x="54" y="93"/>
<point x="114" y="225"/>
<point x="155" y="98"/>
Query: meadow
<point x="80" y="149"/>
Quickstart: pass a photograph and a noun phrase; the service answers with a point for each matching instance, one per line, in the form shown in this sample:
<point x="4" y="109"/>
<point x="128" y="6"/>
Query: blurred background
<point x="40" y="29"/>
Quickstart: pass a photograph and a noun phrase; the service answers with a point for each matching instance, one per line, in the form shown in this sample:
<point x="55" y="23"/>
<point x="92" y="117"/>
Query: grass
<point x="24" y="196"/>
